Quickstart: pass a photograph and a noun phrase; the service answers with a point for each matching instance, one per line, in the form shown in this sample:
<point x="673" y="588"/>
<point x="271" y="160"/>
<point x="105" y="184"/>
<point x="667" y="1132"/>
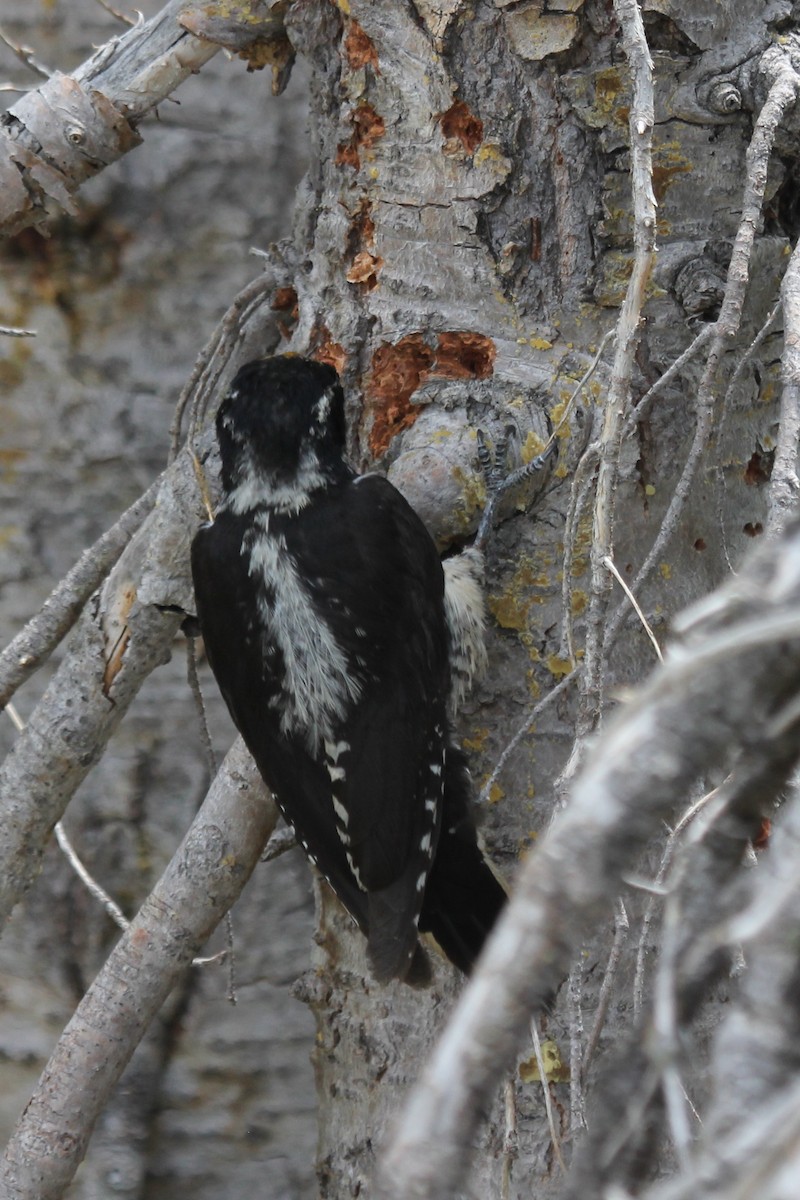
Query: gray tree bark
<point x="492" y="191"/>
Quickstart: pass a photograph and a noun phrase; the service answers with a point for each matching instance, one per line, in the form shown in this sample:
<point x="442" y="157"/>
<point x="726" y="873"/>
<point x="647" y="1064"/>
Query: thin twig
<point x="666" y="861"/>
<point x="535" y="712"/>
<point x="579" y="386"/>
<point x="214" y="357"/>
<point x="609" y="563"/>
<point x="580" y="491"/>
<point x="89" y="882"/>
<point x="200" y="707"/>
<point x="617" y="401"/>
<point x="621" y="930"/>
<point x="26" y="55"/>
<point x="193" y="679"/>
<point x="202" y="483"/>
<point x="119" y="15"/>
<point x="784" y="485"/>
<point x="664" y="1042"/>
<point x="757" y="341"/>
<point x="510" y="1139"/>
<point x="10" y="331"/>
<point x="644" y="405"/>
<point x="34" y="644"/>
<point x="548" y="1102"/>
<point x="577" y="1111"/>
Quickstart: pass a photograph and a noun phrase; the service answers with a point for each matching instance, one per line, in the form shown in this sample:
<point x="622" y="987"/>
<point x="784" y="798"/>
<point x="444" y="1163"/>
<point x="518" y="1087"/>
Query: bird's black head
<point x="281" y="426"/>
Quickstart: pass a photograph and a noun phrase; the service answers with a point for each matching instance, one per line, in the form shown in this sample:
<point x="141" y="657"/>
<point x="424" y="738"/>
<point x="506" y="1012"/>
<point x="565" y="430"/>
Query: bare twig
<point x="90" y="883"/>
<point x="26" y="55"/>
<point x="116" y="13"/>
<point x="782" y="96"/>
<point x="548" y="1101"/>
<point x="10" y="331"/>
<point x="663" y="1046"/>
<point x="666" y="861"/>
<point x="621" y="930"/>
<point x="510" y="1138"/>
<point x="200" y="707"/>
<point x="34" y="644"/>
<point x="215" y="356"/>
<point x="646" y="402"/>
<point x="617" y="401"/>
<point x="784" y="485"/>
<point x="579" y="386"/>
<point x="609" y="563"/>
<point x="757" y="341"/>
<point x="532" y="716"/>
<point x="577" y="1110"/>
<point x="582" y="484"/>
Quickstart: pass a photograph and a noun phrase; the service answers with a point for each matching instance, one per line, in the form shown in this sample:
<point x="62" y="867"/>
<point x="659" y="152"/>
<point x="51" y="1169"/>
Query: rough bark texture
<point x="462" y="241"/>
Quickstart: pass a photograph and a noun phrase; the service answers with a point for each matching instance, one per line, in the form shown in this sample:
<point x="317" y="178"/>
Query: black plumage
<point x="320" y="596"/>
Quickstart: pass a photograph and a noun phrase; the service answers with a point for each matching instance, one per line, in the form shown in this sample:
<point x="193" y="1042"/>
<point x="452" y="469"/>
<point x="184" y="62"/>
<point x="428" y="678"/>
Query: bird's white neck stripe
<point x="255" y="488"/>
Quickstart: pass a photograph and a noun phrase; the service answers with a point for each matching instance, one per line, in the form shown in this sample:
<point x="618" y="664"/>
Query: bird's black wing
<point x="228" y="598"/>
<point x="379" y="584"/>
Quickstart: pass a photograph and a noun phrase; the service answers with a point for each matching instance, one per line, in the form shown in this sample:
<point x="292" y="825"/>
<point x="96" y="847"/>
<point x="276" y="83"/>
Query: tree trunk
<point x="468" y="229"/>
<point x="492" y="191"/>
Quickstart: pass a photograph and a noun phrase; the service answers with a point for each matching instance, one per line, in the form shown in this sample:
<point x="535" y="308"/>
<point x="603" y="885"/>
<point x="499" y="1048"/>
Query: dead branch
<point x="59" y="135"/>
<point x="205" y="876"/>
<point x="617" y="402"/>
<point x="784" y="485"/>
<point x="115" y="647"/>
<point x="711" y="699"/>
<point x="34" y="644"/>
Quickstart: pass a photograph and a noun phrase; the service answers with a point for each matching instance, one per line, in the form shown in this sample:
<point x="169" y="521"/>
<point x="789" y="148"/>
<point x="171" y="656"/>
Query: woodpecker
<point x="342" y="646"/>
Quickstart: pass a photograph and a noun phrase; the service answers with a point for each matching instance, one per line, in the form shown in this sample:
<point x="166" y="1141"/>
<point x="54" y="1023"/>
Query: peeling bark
<point x="62" y="133"/>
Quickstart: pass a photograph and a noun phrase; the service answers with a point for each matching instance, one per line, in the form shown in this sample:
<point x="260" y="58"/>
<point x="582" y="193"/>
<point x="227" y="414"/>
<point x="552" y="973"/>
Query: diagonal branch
<point x="116" y="645"/>
<point x="64" y="132"/>
<point x="204" y="878"/>
<point x="34" y="644"/>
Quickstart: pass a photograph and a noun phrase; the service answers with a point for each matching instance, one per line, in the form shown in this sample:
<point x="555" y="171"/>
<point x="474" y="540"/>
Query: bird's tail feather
<point x="393" y="949"/>
<point x="463" y="897"/>
<point x="463" y="900"/>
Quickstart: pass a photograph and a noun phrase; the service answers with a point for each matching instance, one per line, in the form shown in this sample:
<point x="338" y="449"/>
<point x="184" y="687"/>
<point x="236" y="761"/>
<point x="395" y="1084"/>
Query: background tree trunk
<point x="462" y="242"/>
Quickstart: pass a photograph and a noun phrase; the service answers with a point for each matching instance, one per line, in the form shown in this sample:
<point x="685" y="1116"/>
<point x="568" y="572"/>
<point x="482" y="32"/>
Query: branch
<point x="34" y="644"/>
<point x="712" y="698"/>
<point x="204" y="878"/>
<point x="64" y="132"/>
<point x="782" y="97"/>
<point x="617" y="402"/>
<point x="784" y="486"/>
<point x="116" y="645"/>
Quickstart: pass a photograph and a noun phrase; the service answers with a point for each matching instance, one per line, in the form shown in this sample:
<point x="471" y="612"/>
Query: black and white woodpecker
<point x="341" y="646"/>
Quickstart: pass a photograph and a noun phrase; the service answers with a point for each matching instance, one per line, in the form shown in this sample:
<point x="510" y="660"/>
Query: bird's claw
<point x="498" y="476"/>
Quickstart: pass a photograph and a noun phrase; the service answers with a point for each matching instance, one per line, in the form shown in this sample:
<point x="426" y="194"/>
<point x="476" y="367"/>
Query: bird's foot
<point x="500" y="477"/>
